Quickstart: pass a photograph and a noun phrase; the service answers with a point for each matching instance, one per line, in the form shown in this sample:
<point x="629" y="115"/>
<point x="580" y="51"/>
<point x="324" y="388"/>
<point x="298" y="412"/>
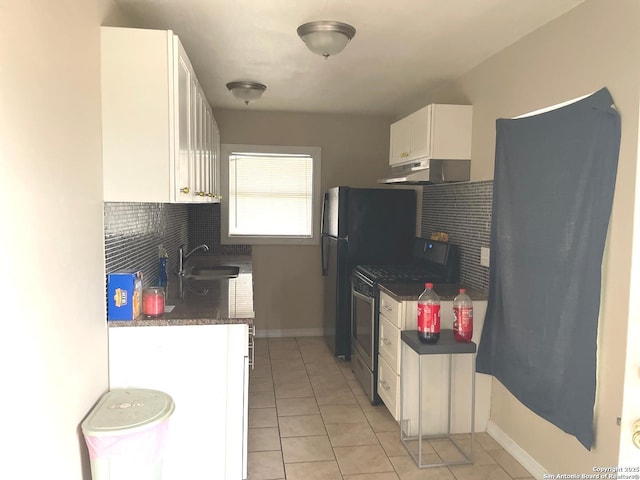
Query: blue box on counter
<point x="124" y="295"/>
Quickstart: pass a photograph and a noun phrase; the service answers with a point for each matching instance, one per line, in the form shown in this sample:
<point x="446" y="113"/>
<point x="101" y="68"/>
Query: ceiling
<point x="402" y="50"/>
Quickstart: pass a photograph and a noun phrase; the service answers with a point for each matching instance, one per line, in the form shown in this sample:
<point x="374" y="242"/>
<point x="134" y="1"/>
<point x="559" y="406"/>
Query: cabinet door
<point x="389" y="387"/>
<point x="399" y="144"/>
<point x="420" y="134"/>
<point x="451" y="131"/>
<point x="198" y="124"/>
<point x="206" y="173"/>
<point x="195" y="127"/>
<point x="138" y="82"/>
<point x="237" y="406"/>
<point x="208" y="154"/>
<point x="215" y="161"/>
<point x="182" y="183"/>
<point x="389" y="343"/>
<point x="203" y="160"/>
<point x="202" y="368"/>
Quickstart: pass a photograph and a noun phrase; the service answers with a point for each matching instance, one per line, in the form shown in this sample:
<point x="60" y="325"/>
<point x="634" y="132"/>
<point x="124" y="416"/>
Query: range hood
<point x="429" y="171"/>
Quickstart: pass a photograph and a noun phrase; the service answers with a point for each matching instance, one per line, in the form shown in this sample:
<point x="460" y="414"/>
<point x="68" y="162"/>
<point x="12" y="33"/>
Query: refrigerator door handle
<point x="324" y="206"/>
<point x="322" y="235"/>
<point x="322" y="256"/>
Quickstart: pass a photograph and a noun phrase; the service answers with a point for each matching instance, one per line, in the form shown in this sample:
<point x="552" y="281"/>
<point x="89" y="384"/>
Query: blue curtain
<point x="553" y="191"/>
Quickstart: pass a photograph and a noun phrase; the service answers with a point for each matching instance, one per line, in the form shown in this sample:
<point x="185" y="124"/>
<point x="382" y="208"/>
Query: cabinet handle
<point x="385" y="385"/>
<point x="385" y="341"/>
<point x="200" y="194"/>
<point x="185" y="190"/>
<point x="404" y="154"/>
<point x="210" y="194"/>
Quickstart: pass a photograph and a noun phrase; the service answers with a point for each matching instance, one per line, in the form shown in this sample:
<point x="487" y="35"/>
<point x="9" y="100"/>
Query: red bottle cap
<point x="428" y="285"/>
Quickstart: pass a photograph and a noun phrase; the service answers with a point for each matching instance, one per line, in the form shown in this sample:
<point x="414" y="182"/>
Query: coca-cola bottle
<point x="429" y="315"/>
<point x="463" y="317"/>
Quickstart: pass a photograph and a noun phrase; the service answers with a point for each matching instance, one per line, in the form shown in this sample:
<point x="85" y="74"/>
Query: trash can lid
<point x="127" y="410"/>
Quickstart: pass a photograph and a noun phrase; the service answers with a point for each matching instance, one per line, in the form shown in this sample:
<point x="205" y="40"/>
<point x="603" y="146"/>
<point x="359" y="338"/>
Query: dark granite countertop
<point x="211" y="302"/>
<point x="411" y="291"/>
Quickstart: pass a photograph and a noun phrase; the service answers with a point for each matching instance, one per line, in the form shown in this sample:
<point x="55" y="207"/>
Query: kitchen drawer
<point x="389" y="343"/>
<point x="390" y="308"/>
<point x="389" y="387"/>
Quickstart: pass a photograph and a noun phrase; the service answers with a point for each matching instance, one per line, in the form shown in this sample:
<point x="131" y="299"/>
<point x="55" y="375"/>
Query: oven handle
<point x="354" y="330"/>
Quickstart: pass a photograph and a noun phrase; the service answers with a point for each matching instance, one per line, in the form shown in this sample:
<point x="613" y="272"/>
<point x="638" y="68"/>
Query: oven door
<point x="362" y="325"/>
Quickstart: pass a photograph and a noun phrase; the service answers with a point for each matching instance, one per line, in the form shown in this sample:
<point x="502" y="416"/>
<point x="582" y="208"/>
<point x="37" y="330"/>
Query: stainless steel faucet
<point x="182" y="258"/>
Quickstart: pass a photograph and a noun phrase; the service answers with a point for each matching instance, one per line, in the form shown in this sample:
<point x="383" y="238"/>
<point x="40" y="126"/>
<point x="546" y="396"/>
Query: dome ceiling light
<point x="326" y="37"/>
<point x="246" y="91"/>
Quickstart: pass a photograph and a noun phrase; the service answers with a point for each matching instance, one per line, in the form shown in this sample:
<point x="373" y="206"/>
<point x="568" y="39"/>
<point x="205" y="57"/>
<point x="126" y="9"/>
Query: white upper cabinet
<point x="440" y="132"/>
<point x="159" y="142"/>
<point x="184" y="164"/>
<point x="215" y="158"/>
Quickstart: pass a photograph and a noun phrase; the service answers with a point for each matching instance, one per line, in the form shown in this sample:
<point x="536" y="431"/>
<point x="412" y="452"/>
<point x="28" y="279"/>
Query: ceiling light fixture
<point x="326" y="37"/>
<point x="246" y="91"/>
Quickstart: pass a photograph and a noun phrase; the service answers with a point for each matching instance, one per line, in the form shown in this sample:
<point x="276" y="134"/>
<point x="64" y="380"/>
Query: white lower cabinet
<point x="205" y="370"/>
<point x="395" y="316"/>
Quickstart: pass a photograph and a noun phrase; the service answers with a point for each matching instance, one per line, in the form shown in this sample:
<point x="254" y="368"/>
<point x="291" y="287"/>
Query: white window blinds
<point x="271" y="194"/>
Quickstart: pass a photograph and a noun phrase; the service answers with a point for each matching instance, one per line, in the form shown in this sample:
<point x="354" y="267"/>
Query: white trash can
<point x="126" y="433"/>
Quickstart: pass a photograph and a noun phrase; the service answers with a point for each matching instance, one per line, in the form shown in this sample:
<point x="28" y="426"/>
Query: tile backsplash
<point x="204" y="227"/>
<point x="133" y="231"/>
<point x="463" y="210"/>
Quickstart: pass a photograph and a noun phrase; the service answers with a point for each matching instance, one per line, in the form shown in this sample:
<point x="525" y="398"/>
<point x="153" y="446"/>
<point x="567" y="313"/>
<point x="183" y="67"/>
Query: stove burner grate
<point x="396" y="273"/>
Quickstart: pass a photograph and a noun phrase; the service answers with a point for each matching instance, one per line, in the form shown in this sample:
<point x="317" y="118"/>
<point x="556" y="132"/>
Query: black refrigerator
<point x="360" y="226"/>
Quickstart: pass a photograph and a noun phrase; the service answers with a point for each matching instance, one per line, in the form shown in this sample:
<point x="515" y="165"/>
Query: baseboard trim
<point x="516" y="451"/>
<point x="294" y="332"/>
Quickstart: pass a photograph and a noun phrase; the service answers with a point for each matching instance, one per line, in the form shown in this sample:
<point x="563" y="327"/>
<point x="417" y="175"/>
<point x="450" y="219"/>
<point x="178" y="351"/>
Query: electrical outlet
<point x="484" y="256"/>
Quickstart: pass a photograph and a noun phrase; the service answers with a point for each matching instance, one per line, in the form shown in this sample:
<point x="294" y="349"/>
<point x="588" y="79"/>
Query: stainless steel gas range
<point x="432" y="261"/>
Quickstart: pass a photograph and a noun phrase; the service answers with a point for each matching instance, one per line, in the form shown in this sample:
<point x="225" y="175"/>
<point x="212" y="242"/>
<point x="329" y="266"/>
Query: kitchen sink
<point x="212" y="272"/>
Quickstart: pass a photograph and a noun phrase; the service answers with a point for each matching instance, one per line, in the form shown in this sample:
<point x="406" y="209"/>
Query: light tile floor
<point x="309" y="419"/>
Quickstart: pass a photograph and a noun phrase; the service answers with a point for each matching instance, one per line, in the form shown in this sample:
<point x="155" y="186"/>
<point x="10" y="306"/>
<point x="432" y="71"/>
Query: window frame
<point x="315" y="152"/>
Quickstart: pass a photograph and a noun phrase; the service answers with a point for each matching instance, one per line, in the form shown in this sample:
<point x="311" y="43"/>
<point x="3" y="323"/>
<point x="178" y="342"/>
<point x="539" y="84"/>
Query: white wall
<point x="288" y="279"/>
<point x="595" y="45"/>
<point x="53" y="345"/>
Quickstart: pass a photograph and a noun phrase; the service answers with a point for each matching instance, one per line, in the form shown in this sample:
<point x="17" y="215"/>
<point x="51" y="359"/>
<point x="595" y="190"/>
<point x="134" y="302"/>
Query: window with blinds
<point x="272" y="193"/>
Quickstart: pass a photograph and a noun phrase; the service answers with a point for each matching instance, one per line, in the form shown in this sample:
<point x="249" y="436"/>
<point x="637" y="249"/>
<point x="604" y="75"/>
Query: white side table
<point x="411" y="414"/>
